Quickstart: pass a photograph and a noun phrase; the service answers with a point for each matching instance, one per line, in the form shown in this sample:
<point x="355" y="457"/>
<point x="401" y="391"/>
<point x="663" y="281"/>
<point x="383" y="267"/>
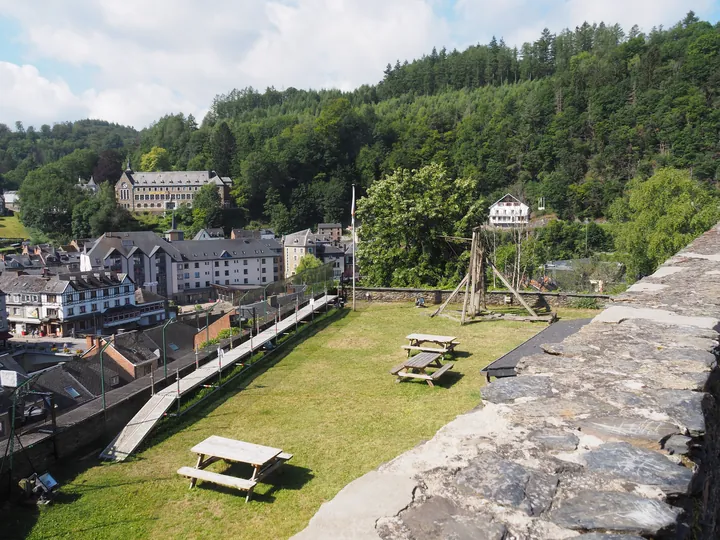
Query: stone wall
<point x="613" y="433"/>
<point x="494" y="298"/>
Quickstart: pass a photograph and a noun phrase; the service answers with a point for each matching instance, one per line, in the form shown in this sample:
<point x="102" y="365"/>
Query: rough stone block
<point x="512" y="388"/>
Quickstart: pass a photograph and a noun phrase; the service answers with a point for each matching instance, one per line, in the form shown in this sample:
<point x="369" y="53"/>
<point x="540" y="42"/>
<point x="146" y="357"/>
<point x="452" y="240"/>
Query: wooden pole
<point x="512" y="290"/>
<point x="452" y="295"/>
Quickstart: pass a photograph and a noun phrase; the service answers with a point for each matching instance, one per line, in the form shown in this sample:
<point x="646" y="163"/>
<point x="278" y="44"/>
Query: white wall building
<point x="185" y="270"/>
<point x="509" y="212"/>
<point x="66" y="303"/>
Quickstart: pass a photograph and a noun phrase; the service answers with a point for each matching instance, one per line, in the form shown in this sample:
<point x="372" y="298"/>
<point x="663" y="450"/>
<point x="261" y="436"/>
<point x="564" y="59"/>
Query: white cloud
<point x="33" y="99"/>
<point x="149" y="58"/>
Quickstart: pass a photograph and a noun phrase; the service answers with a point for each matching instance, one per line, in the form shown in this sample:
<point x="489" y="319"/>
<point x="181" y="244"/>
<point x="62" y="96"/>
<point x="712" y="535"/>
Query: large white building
<point x="509" y="212"/>
<point x="185" y="270"/>
<point x="69" y="303"/>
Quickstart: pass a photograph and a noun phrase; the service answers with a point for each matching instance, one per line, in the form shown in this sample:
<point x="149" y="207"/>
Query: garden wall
<point x="613" y="433"/>
<point x="494" y="298"/>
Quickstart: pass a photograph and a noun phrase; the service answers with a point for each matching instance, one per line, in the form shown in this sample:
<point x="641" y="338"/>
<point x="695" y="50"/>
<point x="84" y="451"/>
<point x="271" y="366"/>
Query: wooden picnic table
<point x="263" y="459"/>
<point x="416" y="368"/>
<point x="445" y="344"/>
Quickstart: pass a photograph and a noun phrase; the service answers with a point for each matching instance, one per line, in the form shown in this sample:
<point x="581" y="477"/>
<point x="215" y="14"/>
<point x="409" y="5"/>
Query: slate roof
<point x="299" y="239"/>
<point x="330" y="226"/>
<point x="136" y="346"/>
<point x="200" y="250"/>
<point x="10" y="283"/>
<point x="58" y="380"/>
<point x="127" y="243"/>
<point x="213" y="232"/>
<point x="144" y="296"/>
<point x="87" y="371"/>
<point x="176" y="177"/>
<point x="179" y="338"/>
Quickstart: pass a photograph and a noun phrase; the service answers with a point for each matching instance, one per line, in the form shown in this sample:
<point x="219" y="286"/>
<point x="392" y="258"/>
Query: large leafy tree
<point x="157" y="159"/>
<point x="100" y="213"/>
<point x="222" y="149"/>
<point x="206" y="207"/>
<point x="308" y="262"/>
<point x="405" y="217"/>
<point x="661" y="215"/>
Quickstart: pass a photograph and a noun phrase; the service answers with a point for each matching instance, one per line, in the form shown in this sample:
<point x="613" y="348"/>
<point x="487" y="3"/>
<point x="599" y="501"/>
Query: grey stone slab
<point x="604" y="536"/>
<point x="684" y="407"/>
<point x="627" y="428"/>
<point x="608" y="511"/>
<point x="678" y="444"/>
<point x="639" y="465"/>
<point x="555" y="440"/>
<point x="507" y="390"/>
<point x="617" y="314"/>
<point x="439" y="517"/>
<point x="508" y="483"/>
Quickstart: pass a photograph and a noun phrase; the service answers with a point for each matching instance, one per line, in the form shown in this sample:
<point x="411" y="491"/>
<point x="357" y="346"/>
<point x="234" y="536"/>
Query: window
<point x="263" y="261"/>
<point x="186" y="266"/>
<point x="114" y="380"/>
<point x="263" y="270"/>
<point x="116" y="290"/>
<point x="106" y="305"/>
<point x="127" y="301"/>
<point x="187" y="275"/>
<point x="127" y="288"/>
<point x="264" y="279"/>
<point x="217" y="273"/>
<point x="71" y="312"/>
<point x="245" y="262"/>
<point x="227" y="263"/>
<point x="245" y="281"/>
<point x="245" y="271"/>
<point x="83" y="309"/>
<point x="93" y="294"/>
<point x="197" y="284"/>
<point x="217" y="263"/>
<point x="197" y="265"/>
<point x="227" y="272"/>
<point x="72" y="392"/>
<point x="82" y="296"/>
<point x="207" y="283"/>
<point x="227" y="282"/>
<point x="52" y="312"/>
<point x="51" y="298"/>
<point x="197" y="274"/>
<point x="117" y="303"/>
<point x="93" y="307"/>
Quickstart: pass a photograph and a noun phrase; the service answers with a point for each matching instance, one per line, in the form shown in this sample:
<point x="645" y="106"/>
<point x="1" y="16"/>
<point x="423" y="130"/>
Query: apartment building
<point x="325" y="248"/>
<point x="66" y="304"/>
<point x="185" y="270"/>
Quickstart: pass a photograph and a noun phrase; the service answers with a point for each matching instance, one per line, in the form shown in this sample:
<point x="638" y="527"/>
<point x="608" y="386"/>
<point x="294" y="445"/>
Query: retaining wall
<point x="613" y="433"/>
<point x="494" y="298"/>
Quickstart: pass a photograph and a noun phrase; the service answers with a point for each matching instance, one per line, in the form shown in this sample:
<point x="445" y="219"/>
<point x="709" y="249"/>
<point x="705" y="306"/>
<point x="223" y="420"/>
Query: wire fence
<point x="283" y="296"/>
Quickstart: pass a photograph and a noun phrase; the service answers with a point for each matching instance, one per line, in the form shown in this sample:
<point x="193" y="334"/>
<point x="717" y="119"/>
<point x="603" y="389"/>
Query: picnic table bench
<point x="445" y="344"/>
<point x="263" y="459"/>
<point x="416" y="368"/>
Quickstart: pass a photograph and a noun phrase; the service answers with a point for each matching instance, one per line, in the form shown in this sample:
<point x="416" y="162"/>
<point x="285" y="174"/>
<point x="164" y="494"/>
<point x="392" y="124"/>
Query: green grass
<point x="10" y="227"/>
<point x="328" y="399"/>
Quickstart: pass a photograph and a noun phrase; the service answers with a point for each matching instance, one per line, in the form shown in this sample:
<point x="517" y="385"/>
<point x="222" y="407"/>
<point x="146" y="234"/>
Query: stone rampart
<point x="613" y="433"/>
<point x="494" y="298"/>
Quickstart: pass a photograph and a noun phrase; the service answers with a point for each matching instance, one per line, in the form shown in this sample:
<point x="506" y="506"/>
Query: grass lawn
<point x="10" y="227"/>
<point x="329" y="400"/>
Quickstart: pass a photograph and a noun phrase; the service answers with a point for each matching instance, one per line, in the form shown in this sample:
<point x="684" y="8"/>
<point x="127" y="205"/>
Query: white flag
<point x="352" y="208"/>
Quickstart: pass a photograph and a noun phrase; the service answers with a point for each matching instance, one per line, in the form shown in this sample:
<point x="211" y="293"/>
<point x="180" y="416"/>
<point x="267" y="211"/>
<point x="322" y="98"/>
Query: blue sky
<point x="132" y="61"/>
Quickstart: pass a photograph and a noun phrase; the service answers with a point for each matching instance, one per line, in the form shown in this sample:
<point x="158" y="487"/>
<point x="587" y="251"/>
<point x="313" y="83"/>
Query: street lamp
<point x="102" y="372"/>
<point x="168" y="323"/>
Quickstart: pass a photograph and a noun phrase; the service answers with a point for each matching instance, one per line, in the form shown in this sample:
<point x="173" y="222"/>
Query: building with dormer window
<point x="166" y="190"/>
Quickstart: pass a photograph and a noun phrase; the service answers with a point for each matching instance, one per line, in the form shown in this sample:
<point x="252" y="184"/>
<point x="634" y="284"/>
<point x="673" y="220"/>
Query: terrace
<point x="329" y="400"/>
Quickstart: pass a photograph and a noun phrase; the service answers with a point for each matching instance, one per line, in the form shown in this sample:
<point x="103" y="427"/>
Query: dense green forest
<point x="571" y="117"/>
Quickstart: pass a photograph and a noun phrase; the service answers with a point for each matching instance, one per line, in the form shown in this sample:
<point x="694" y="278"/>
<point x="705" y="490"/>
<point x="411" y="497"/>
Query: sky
<point x="133" y="61"/>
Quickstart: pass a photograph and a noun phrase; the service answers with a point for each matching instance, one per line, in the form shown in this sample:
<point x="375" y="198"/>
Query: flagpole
<point x="352" y="213"/>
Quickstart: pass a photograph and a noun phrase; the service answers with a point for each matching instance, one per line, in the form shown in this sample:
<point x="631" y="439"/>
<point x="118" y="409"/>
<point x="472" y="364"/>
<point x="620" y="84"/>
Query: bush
<point x="227" y="332"/>
<point x="585" y="303"/>
<point x="213" y="341"/>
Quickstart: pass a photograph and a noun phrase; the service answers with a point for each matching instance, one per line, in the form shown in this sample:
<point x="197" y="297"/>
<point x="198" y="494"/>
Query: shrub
<point x="585" y="303"/>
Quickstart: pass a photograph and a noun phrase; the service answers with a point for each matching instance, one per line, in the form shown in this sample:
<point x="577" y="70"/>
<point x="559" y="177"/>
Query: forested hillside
<point x="571" y="117"/>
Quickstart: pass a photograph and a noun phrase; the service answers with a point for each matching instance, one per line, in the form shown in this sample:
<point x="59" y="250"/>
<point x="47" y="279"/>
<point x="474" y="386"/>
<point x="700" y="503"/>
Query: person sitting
<point x="420" y="301"/>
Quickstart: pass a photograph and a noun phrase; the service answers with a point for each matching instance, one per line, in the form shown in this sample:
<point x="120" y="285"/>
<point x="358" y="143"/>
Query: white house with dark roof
<point x="509" y="211"/>
<point x="69" y="303"/>
<point x="166" y="190"/>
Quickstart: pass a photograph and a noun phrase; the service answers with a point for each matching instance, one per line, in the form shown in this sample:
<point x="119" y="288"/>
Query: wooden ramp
<point x="146" y="418"/>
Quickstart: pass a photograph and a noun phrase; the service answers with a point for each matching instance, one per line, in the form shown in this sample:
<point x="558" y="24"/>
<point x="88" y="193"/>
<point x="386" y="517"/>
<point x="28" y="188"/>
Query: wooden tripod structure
<point x="474" y="302"/>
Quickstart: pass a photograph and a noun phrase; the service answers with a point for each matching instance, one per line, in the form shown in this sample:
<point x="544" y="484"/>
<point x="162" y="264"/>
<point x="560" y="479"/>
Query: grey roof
<point x="299" y="239"/>
<point x="144" y="296"/>
<point x="199" y="250"/>
<point x="179" y="338"/>
<point x="136" y="346"/>
<point x="330" y="226"/>
<point x="87" y="372"/>
<point x="10" y="283"/>
<point x="177" y="178"/>
<point x="127" y="243"/>
<point x="59" y="380"/>
<point x="214" y="232"/>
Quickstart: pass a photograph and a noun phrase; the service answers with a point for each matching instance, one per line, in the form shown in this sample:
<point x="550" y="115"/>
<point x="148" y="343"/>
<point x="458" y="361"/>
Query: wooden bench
<point x="216" y="478"/>
<point x="450" y="348"/>
<point x="438" y="373"/>
<point x="397" y="369"/>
